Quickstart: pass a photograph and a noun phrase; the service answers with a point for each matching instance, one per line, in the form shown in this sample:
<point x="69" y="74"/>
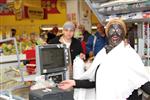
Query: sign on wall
<point x="11" y="7"/>
<point x="50" y="6"/>
<point x="5" y="10"/>
<point x="85" y="16"/>
<point x="35" y="13"/>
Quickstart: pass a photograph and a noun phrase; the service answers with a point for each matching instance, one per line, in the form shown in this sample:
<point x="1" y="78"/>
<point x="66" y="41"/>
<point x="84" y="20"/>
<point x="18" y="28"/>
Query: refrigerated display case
<point x="11" y="68"/>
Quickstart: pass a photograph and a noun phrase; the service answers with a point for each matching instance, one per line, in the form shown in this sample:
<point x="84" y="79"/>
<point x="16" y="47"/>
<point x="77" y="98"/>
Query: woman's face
<point x="100" y="28"/>
<point x="115" y="34"/>
<point x="68" y="33"/>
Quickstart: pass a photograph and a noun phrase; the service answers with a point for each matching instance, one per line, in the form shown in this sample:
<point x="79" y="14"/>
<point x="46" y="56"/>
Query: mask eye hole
<point x="111" y="31"/>
<point x="119" y="31"/>
<point x="115" y="29"/>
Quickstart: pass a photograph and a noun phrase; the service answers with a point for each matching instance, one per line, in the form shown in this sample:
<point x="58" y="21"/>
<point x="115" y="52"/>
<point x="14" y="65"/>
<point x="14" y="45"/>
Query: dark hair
<point x="14" y="30"/>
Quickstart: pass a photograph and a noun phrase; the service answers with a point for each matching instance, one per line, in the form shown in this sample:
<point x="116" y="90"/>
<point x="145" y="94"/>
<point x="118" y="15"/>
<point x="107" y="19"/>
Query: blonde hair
<point x="116" y="21"/>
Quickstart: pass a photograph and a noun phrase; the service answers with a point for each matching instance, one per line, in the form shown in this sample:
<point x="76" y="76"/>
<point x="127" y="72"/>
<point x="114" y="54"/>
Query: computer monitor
<point x="51" y="58"/>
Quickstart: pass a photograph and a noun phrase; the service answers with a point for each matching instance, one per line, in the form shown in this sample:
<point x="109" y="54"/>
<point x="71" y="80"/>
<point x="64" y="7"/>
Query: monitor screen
<point x="51" y="58"/>
<point x="53" y="55"/>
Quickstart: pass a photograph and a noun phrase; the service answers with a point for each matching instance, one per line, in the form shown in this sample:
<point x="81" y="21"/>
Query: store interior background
<point x="13" y="16"/>
<point x="74" y="10"/>
<point x="68" y="10"/>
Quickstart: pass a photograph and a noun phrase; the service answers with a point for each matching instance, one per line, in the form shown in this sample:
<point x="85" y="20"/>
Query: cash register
<point x="51" y="61"/>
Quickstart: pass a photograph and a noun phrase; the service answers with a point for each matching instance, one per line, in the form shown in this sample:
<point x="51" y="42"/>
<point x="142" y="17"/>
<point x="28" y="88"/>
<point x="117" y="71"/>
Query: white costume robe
<point x="120" y="72"/>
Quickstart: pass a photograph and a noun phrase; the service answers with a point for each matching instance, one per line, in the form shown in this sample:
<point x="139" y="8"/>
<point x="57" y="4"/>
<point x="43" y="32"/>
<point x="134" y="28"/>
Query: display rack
<point x="146" y="38"/>
<point x="17" y="58"/>
<point x="10" y="67"/>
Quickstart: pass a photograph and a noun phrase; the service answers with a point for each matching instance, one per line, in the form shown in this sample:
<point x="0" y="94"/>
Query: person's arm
<point x="89" y="44"/>
<point x="84" y="84"/>
<point x="67" y="84"/>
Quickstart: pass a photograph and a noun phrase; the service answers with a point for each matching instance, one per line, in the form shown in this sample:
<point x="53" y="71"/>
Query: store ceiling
<point x="101" y="1"/>
<point x="125" y="9"/>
